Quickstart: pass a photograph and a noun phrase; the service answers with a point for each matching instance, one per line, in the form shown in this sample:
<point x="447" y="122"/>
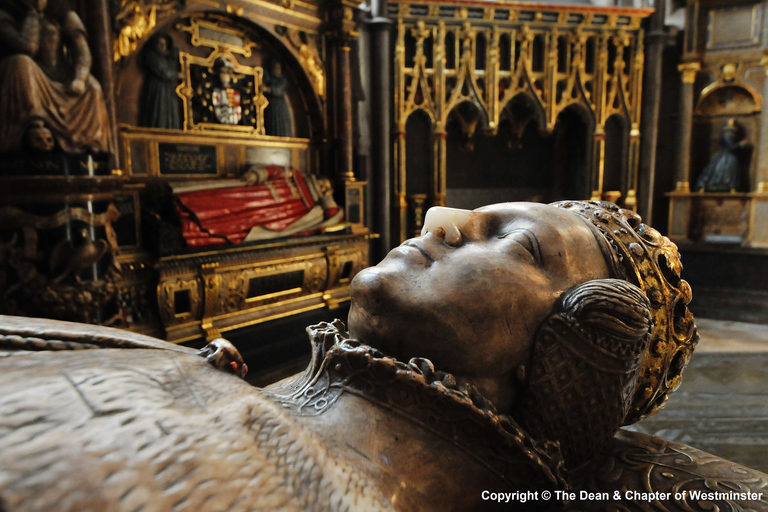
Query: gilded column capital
<point x="343" y="23"/>
<point x="688" y="70"/>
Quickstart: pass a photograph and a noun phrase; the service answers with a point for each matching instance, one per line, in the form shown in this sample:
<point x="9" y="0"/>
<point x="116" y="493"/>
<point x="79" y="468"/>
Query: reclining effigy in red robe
<point x="281" y="202"/>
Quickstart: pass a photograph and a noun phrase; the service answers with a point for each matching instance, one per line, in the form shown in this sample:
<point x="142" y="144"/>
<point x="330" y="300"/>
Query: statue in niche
<point x="723" y="172"/>
<point x="161" y="106"/>
<point x="499" y="352"/>
<point x="46" y="67"/>
<point x="277" y="114"/>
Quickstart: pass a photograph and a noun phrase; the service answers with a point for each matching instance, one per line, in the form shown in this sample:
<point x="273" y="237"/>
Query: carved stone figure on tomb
<point x="46" y="67"/>
<point x="277" y="114"/>
<point x="500" y="352"/>
<point x="161" y="106"/>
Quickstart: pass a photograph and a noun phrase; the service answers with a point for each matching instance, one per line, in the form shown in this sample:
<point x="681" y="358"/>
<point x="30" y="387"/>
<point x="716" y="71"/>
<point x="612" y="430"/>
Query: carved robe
<point x="97" y="419"/>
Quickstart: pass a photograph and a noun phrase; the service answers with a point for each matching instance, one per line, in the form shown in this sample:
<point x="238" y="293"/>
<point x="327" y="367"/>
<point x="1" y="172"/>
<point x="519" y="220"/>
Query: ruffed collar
<point x="427" y="397"/>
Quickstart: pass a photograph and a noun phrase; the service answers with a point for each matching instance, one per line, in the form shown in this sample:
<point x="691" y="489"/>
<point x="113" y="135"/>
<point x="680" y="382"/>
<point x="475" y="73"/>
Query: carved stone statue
<point x="277" y="114"/>
<point x="723" y="172"/>
<point x="46" y="67"/>
<point x="161" y="106"/>
<point x="494" y="358"/>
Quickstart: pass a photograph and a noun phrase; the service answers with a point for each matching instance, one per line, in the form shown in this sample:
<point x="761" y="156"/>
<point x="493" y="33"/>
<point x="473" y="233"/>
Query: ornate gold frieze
<point x="437" y="88"/>
<point x="134" y="19"/>
<point x="309" y="56"/>
<point x="492" y="54"/>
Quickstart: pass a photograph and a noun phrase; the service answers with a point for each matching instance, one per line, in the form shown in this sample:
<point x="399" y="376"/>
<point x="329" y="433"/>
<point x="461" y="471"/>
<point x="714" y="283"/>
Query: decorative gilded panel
<point x="210" y="103"/>
<point x="185" y="290"/>
<point x="208" y="293"/>
<point x="494" y="56"/>
<point x="134" y="19"/>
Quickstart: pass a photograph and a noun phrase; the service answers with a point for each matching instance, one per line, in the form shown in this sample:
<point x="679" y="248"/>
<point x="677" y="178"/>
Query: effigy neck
<point x="354" y="396"/>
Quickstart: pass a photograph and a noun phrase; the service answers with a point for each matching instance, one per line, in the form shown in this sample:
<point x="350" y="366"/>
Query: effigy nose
<point x="445" y="223"/>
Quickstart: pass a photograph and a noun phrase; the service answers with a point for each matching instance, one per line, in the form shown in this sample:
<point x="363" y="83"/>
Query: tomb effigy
<point x="494" y="358"/>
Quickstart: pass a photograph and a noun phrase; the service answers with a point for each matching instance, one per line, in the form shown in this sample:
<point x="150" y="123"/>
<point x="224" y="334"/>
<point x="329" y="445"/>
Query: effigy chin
<point x="488" y="364"/>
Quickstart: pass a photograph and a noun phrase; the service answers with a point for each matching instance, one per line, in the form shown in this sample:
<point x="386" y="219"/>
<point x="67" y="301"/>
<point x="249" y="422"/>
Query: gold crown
<point x="644" y="257"/>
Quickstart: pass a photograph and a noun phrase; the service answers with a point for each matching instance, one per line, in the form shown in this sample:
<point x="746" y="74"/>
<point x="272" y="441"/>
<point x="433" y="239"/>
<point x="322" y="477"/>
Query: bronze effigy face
<point x="472" y="303"/>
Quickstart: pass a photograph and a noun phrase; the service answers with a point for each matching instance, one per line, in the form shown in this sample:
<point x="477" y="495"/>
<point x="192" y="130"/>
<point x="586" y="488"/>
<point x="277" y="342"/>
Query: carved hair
<point x="584" y="367"/>
<point x="639" y="254"/>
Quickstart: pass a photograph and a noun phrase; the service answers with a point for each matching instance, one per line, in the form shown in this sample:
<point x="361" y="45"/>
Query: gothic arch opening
<point x="419" y="167"/>
<point x="514" y="164"/>
<point x="615" y="160"/>
<point x="571" y="147"/>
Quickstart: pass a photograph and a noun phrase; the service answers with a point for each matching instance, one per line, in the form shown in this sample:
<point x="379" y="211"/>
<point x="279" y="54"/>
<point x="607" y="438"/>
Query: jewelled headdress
<point x="641" y="255"/>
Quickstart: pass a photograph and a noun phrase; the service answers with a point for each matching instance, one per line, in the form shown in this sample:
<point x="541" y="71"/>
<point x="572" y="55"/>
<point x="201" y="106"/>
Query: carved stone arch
<point x="403" y="120"/>
<point x="616" y="100"/>
<point x="252" y="43"/>
<point x="520" y="110"/>
<point x="469" y="117"/>
<point x="304" y="66"/>
<point x="574" y="93"/>
<point x="729" y="99"/>
<point x="465" y="91"/>
<point x="572" y="133"/>
<point x="584" y="111"/>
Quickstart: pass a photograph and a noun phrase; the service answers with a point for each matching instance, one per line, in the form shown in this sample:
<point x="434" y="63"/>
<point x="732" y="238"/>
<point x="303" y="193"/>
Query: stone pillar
<point x="344" y="119"/>
<point x="762" y="148"/>
<point x="381" y="130"/>
<point x="655" y="40"/>
<point x="759" y="220"/>
<point x="683" y="168"/>
<point x="343" y="32"/>
<point x="98" y="26"/>
<point x="598" y="165"/>
<point x="440" y="172"/>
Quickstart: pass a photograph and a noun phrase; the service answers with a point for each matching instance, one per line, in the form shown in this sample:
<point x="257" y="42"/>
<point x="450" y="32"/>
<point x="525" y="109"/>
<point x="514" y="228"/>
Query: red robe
<point x="216" y="216"/>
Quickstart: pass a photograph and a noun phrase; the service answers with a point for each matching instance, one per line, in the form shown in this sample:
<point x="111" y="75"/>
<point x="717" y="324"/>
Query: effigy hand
<point x="77" y="87"/>
<point x="224" y="356"/>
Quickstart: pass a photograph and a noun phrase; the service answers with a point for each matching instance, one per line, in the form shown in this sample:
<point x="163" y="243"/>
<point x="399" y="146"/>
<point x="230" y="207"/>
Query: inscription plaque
<point x="196" y="159"/>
